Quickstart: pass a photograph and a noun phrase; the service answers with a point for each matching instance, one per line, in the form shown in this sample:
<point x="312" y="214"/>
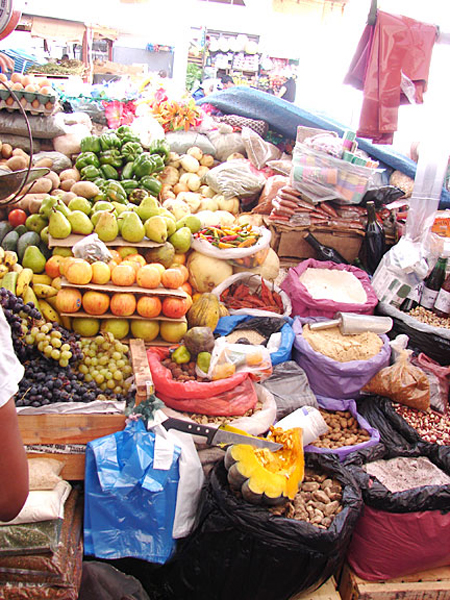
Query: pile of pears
<point x="109" y="220"/>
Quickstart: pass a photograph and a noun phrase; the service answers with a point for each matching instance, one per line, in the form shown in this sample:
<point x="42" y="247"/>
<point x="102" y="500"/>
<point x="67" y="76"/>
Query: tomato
<point x="17" y="217"/>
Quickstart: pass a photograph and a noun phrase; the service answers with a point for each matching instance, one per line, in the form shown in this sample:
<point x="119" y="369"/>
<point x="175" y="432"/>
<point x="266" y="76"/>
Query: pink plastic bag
<point x="304" y="305"/>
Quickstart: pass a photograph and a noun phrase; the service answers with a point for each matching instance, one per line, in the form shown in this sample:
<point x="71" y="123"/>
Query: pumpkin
<point x="223" y="310"/>
<point x="204" y="312"/>
<point x="265" y="477"/>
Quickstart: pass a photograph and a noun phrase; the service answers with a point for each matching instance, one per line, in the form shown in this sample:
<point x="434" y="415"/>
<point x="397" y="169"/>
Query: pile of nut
<point x="220" y="421"/>
<point x="344" y="430"/>
<point x="317" y="502"/>
<point x="427" y="316"/>
<point x="183" y="372"/>
<point x="430" y="425"/>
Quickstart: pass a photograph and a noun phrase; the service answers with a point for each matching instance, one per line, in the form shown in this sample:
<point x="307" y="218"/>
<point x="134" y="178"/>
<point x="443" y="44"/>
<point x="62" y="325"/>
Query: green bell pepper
<point x="90" y="173"/>
<point x="100" y="182"/>
<point x="131" y="150"/>
<point x="143" y="165"/>
<point x="98" y="197"/>
<point x="158" y="161"/>
<point x="129" y="185"/>
<point x="150" y="184"/>
<point x="111" y="157"/>
<point x="85" y="159"/>
<point x="115" y="193"/>
<point x="109" y="140"/>
<point x="160" y="147"/>
<point x="137" y="195"/>
<point x="126" y="134"/>
<point x="90" y="144"/>
<point x="127" y="171"/>
<point x="109" y="172"/>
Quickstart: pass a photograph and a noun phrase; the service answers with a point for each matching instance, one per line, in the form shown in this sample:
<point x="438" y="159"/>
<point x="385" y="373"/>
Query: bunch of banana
<point x="9" y="269"/>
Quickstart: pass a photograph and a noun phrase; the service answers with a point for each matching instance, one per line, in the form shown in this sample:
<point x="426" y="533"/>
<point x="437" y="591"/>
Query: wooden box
<point x="425" y="585"/>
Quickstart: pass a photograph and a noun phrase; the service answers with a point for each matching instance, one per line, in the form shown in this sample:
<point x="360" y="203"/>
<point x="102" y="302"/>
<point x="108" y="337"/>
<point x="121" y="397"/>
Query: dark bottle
<point x="324" y="252"/>
<point x="442" y="304"/>
<point x="413" y="298"/>
<point x="433" y="284"/>
<point x="374" y="241"/>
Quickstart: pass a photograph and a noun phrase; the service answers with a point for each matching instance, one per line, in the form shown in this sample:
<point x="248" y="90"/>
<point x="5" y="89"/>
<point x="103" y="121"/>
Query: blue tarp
<point x="284" y="118"/>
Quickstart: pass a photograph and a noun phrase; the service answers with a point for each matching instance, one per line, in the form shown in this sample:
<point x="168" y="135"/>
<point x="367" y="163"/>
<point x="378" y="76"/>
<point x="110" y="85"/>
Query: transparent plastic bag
<point x="226" y="141"/>
<point x="229" y="359"/>
<point x="91" y="248"/>
<point x="439" y="380"/>
<point x="30" y="538"/>
<point x="309" y="419"/>
<point x="258" y="151"/>
<point x="402" y="382"/>
<point x="235" y="178"/>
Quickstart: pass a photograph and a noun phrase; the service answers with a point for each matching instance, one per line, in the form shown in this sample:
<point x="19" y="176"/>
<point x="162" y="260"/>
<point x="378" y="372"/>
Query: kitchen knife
<point x="216" y="436"/>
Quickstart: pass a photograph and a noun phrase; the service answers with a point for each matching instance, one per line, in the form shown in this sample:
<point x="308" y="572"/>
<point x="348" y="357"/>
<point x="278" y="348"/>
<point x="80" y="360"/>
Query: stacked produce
<point x="35" y="94"/>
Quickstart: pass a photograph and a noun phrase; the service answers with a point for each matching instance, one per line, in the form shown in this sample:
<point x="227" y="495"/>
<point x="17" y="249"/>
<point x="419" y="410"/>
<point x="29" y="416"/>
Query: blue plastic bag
<point x="129" y="504"/>
<point x="227" y="324"/>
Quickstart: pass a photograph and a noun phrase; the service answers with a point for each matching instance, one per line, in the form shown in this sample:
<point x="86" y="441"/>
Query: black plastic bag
<point x="394" y="430"/>
<point x="419" y="499"/>
<point x="265" y="326"/>
<point x="290" y="388"/>
<point x="240" y="551"/>
<point x="102" y="581"/>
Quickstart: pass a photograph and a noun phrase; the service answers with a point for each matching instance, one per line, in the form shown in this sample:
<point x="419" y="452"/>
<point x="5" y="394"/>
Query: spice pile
<point x="406" y="473"/>
<point x="343" y="348"/>
<point x="344" y="430"/>
<point x="239" y="295"/>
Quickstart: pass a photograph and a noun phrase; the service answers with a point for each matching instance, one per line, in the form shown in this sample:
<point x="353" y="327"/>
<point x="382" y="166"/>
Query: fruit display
<point x="35" y="94"/>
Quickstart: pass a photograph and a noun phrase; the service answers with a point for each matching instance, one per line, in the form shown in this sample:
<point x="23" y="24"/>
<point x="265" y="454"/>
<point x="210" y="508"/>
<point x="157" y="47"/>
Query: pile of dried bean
<point x="427" y="316"/>
<point x="430" y="425"/>
<point x="220" y="420"/>
<point x="344" y="430"/>
<point x="317" y="502"/>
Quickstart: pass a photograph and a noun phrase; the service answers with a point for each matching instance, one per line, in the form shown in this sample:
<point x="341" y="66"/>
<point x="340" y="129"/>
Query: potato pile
<point x="344" y="430"/>
<point x="317" y="502"/>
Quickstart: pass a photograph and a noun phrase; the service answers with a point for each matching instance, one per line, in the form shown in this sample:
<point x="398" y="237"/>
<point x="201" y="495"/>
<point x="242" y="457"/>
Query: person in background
<point x="227" y="82"/>
<point x="288" y="89"/>
<point x="13" y="460"/>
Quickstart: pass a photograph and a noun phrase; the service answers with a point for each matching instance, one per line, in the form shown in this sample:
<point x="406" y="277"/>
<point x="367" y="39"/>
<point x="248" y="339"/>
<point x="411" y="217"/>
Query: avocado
<point x="10" y="241"/>
<point x="5" y="227"/>
<point x="30" y="238"/>
<point x="21" y="229"/>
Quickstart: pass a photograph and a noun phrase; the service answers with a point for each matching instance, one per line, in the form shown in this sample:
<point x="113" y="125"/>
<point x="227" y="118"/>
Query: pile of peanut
<point x="219" y="420"/>
<point x="430" y="425"/>
<point x="427" y="316"/>
<point x="317" y="502"/>
<point x="344" y="430"/>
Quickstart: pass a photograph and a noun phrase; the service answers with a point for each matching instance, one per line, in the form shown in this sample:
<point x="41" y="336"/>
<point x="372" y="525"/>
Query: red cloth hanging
<point x="395" y="45"/>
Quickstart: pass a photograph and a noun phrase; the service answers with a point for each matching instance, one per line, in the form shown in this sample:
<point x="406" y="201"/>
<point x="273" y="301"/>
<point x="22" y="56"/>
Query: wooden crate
<point x="425" y="585"/>
<point x="327" y="591"/>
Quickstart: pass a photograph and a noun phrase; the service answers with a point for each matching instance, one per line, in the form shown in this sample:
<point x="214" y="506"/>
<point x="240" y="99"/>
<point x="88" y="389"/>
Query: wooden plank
<point x="67" y="429"/>
<point x="73" y="469"/>
<point x="110" y="315"/>
<point x="433" y="584"/>
<point x="73" y="238"/>
<point x="326" y="591"/>
<point x="141" y="370"/>
<point x="135" y="289"/>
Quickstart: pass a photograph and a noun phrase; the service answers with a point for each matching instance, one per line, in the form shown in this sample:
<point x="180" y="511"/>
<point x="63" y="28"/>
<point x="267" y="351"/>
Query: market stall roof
<point x="61" y="29"/>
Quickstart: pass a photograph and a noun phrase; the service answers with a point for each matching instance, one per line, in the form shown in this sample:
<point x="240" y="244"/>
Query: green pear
<point x="163" y="212"/>
<point x="44" y="235"/>
<point x="132" y="228"/>
<point x="34" y="259"/>
<point x="102" y="205"/>
<point x="181" y="239"/>
<point x="80" y="222"/>
<point x="191" y="221"/>
<point x="121" y="218"/>
<point x="156" y="229"/>
<point x="171" y="226"/>
<point x="61" y="207"/>
<point x="48" y="202"/>
<point x="58" y="225"/>
<point x="36" y="223"/>
<point x="62" y="251"/>
<point x="107" y="228"/>
<point x="149" y="207"/>
<point x="80" y="203"/>
<point x="120" y="208"/>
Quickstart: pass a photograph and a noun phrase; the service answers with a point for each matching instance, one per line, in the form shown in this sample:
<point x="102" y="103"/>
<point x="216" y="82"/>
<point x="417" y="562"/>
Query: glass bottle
<point x="433" y="284"/>
<point x="413" y="298"/>
<point x="442" y="304"/>
<point x="324" y="252"/>
<point x="374" y="241"/>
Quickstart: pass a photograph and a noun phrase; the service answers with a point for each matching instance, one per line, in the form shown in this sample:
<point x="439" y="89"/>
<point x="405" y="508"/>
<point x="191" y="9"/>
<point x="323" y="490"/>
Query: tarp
<point x="284" y="118"/>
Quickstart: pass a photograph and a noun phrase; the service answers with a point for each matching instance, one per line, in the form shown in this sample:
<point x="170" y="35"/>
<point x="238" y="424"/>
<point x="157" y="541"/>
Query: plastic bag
<point x="254" y="283"/>
<point x="30" y="538"/>
<point x="43" y="473"/>
<point x="240" y="257"/>
<point x="333" y="379"/>
<point x="43" y="505"/>
<point x="226" y="141"/>
<point x="43" y="127"/>
<point x="91" y="248"/>
<point x="235" y="178"/>
<point x="131" y="487"/>
<point x="181" y="141"/>
<point x="230" y="359"/>
<point x="239" y="550"/>
<point x="438" y="378"/>
<point x="101" y="581"/>
<point x="265" y="326"/>
<point x="290" y="387"/>
<point x="304" y="305"/>
<point x="403" y="532"/>
<point x="258" y="151"/>
<point x="402" y="382"/>
<point x="309" y="420"/>
<point x="227" y="397"/>
<point x="60" y="161"/>
<point x="271" y="188"/>
<point x="351" y="406"/>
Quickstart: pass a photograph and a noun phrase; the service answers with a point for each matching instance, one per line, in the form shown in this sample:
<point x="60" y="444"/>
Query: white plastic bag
<point x="43" y="505"/>
<point x="91" y="248"/>
<point x="309" y="419"/>
<point x="226" y="141"/>
<point x="258" y="151"/>
<point x="228" y="359"/>
<point x="235" y="178"/>
<point x="236" y="255"/>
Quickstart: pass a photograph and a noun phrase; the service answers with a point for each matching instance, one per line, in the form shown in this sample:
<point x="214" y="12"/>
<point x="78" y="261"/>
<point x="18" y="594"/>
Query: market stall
<point x="141" y="278"/>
